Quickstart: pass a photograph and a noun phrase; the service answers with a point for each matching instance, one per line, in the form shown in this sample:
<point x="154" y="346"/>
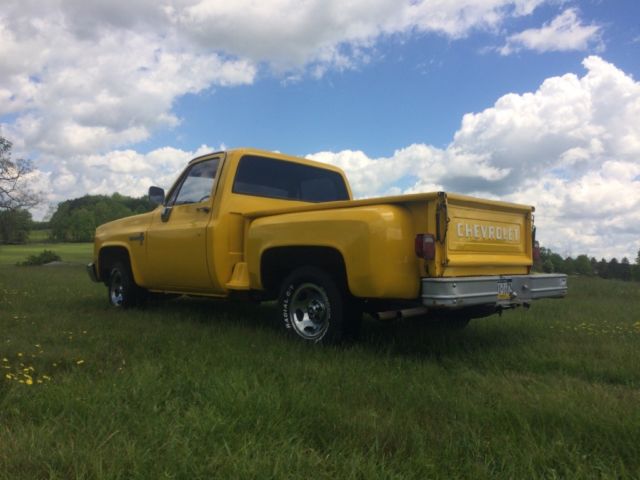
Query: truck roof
<point x="266" y="153"/>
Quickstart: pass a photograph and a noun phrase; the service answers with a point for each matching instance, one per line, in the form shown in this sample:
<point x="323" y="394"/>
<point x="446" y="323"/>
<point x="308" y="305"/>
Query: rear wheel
<point x="312" y="307"/>
<point x="123" y="291"/>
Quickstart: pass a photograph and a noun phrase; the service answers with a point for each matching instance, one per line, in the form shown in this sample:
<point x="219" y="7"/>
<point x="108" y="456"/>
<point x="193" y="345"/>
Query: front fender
<point x="134" y="259"/>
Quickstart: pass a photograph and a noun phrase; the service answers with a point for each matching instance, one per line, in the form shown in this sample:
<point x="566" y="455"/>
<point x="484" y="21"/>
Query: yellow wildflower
<point x="79" y="362"/>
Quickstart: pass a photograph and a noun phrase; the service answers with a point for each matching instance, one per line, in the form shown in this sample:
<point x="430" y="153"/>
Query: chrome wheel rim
<point x="310" y="311"/>
<point x="116" y="290"/>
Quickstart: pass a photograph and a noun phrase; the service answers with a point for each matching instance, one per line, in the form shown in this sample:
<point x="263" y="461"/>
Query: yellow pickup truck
<point x="253" y="224"/>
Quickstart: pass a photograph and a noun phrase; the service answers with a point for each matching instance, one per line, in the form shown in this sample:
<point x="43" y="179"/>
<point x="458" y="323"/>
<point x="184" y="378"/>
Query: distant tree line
<point x="73" y="220"/>
<point x="15" y="226"/>
<point x="76" y="220"/>
<point x="551" y="262"/>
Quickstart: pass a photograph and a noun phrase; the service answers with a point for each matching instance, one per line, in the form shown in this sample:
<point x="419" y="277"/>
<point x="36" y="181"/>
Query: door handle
<point x="203" y="209"/>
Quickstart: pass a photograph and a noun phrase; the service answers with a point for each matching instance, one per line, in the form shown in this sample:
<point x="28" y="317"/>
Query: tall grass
<point x="193" y="388"/>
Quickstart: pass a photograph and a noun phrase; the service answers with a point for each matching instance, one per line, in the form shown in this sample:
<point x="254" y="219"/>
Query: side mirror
<point x="156" y="195"/>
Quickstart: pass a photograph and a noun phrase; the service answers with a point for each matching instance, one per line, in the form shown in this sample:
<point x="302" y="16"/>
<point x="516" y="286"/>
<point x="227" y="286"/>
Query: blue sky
<point x="534" y="101"/>
<point x="415" y="89"/>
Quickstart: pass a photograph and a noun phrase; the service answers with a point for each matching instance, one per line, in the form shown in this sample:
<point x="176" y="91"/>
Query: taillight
<point x="426" y="246"/>
<point x="536" y="251"/>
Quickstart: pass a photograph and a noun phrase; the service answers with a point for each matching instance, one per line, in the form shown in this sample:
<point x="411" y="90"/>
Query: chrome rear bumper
<point x="504" y="291"/>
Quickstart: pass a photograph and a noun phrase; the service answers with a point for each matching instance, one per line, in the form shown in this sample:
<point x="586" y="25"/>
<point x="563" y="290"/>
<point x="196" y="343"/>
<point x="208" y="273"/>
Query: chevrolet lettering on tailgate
<point x="487" y="232"/>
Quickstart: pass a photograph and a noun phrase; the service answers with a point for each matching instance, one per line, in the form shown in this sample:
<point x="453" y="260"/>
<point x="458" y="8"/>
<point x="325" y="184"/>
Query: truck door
<point x="177" y="236"/>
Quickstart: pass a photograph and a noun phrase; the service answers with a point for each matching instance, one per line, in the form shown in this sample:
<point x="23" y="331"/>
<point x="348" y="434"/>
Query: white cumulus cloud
<point x="571" y="148"/>
<point x="77" y="95"/>
<point x="82" y="77"/>
<point x="565" y="32"/>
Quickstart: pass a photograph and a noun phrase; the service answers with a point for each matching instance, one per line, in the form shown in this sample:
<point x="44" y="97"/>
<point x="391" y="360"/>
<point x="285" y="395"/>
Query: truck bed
<point x="475" y="236"/>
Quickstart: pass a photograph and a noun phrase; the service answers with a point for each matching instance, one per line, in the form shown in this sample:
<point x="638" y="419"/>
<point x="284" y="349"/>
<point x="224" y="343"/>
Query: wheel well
<point x="108" y="257"/>
<point x="277" y="263"/>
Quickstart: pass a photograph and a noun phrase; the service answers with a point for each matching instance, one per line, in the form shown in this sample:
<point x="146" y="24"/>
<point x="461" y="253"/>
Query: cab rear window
<point x="268" y="177"/>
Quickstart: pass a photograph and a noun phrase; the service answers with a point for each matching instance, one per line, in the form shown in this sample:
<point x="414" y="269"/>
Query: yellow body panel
<point x="374" y="241"/>
<point x="216" y="246"/>
<point x="486" y="238"/>
<point x="119" y="234"/>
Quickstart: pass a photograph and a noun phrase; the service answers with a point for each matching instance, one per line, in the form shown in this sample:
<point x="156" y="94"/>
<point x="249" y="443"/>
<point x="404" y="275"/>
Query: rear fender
<point x="375" y="244"/>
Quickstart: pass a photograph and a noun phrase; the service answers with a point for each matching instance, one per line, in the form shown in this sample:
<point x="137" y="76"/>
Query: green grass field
<point x="69" y="252"/>
<point x="193" y="388"/>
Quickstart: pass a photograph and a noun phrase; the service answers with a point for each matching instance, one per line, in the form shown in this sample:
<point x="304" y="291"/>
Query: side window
<point x="268" y="177"/>
<point x="197" y="184"/>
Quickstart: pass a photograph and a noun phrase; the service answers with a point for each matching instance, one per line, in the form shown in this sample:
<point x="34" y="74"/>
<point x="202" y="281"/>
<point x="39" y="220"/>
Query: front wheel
<point x="312" y="306"/>
<point x="123" y="291"/>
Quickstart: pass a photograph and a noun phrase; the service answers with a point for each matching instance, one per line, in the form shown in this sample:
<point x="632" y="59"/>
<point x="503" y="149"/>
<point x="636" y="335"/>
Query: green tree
<point x="14" y="226"/>
<point x="594" y="265"/>
<point x="75" y="220"/>
<point x="635" y="273"/>
<point x="15" y="196"/>
<point x="625" y="269"/>
<point x="15" y="192"/>
<point x="82" y="225"/>
<point x="568" y="266"/>
<point x="583" y="265"/>
<point x="558" y="262"/>
<point x="603" y="269"/>
<point x="613" y="268"/>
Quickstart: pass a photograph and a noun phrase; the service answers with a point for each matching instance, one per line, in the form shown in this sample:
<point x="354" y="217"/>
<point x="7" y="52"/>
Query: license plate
<point x="504" y="290"/>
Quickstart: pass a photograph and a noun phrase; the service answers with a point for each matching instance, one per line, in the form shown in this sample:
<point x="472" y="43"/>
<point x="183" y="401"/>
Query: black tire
<point x="122" y="289"/>
<point x="312" y="307"/>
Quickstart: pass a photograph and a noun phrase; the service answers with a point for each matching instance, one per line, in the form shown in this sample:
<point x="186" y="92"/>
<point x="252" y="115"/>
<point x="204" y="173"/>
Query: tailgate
<point x="485" y="237"/>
